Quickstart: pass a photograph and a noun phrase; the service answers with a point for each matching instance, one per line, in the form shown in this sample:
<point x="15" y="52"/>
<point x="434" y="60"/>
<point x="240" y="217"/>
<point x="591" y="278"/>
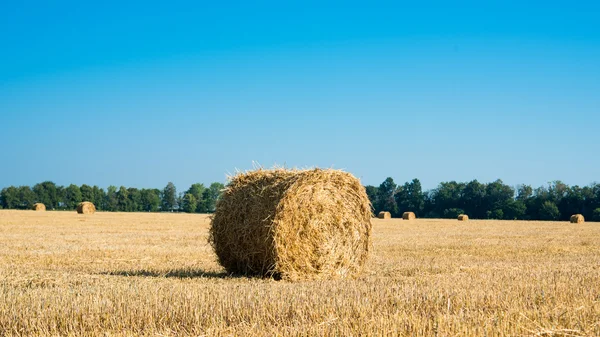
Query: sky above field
<point x="141" y="93"/>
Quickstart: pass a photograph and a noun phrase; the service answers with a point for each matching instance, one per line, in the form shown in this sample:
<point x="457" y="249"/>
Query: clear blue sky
<point x="140" y="94"/>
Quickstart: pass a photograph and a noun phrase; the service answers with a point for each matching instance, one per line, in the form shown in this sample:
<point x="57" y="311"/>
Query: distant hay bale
<point x="408" y="216"/>
<point x="577" y="218"/>
<point x="38" y="207"/>
<point x="384" y="215"/>
<point x="463" y="217"/>
<point x="292" y="224"/>
<point x="86" y="207"/>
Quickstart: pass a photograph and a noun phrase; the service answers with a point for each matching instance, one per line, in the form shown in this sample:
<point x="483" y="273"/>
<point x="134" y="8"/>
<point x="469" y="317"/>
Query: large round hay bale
<point x="463" y="217"/>
<point x="38" y="207"/>
<point x="384" y="215"/>
<point x="408" y="216"/>
<point x="292" y="224"/>
<point x="86" y="207"/>
<point x="577" y="218"/>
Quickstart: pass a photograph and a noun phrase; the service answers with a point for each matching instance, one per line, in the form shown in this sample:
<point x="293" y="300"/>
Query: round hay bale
<point x="577" y="218"/>
<point x="292" y="224"/>
<point x="463" y="217"/>
<point x="384" y="215"/>
<point x="86" y="207"/>
<point x="408" y="216"/>
<point x="38" y="206"/>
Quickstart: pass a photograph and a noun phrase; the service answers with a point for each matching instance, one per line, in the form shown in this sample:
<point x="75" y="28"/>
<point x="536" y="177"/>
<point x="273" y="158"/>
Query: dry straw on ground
<point x="39" y="207"/>
<point x="293" y="224"/>
<point x="577" y="218"/>
<point x="463" y="217"/>
<point x="384" y="215"/>
<point x="86" y="207"/>
<point x="408" y="216"/>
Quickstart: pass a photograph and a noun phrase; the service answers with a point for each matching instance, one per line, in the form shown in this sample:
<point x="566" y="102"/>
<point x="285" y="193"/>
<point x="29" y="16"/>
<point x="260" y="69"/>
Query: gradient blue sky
<point x="143" y="93"/>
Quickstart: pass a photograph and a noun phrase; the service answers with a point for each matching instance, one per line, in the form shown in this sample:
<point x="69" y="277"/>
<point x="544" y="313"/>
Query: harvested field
<point x="148" y="274"/>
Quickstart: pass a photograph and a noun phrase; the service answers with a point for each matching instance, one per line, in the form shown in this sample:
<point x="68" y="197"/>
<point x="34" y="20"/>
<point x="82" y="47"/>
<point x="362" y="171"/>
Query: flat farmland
<point x="149" y="274"/>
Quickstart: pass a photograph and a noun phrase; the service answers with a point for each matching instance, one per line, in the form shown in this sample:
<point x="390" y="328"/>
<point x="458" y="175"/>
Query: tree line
<point x="494" y="200"/>
<point x="197" y="199"/>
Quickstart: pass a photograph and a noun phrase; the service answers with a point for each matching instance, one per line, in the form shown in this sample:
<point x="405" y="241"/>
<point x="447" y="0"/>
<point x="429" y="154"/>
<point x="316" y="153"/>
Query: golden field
<point x="148" y="274"/>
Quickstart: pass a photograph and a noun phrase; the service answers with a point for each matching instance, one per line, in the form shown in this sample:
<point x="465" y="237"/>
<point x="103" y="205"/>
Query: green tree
<point x="169" y="197"/>
<point x="596" y="214"/>
<point x="211" y="195"/>
<point x="409" y="197"/>
<point x="9" y="197"/>
<point x="26" y="197"/>
<point x="111" y="199"/>
<point x="123" y="204"/>
<point x="197" y="190"/>
<point x="87" y="194"/>
<point x="150" y="200"/>
<point x="72" y="196"/>
<point x="549" y="211"/>
<point x="135" y="199"/>
<point x="472" y="200"/>
<point x="47" y="193"/>
<point x="99" y="198"/>
<point x="385" y="197"/>
<point x="189" y="203"/>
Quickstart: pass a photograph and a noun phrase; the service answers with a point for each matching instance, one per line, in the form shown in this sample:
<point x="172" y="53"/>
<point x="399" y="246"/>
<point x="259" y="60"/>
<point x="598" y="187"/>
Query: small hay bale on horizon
<point x="292" y="224"/>
<point x="409" y="216"/>
<point x="384" y="215"/>
<point x="463" y="217"/>
<point x="38" y="206"/>
<point x="86" y="207"/>
<point x="577" y="218"/>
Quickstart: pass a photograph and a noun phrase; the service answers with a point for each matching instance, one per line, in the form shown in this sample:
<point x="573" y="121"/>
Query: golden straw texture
<point x="86" y="207"/>
<point x="39" y="207"/>
<point x="408" y="216"/>
<point x="577" y="218"/>
<point x="384" y="215"/>
<point x="293" y="224"/>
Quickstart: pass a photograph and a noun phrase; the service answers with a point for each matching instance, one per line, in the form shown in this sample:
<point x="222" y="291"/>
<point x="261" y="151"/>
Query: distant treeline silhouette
<point x="197" y="199"/>
<point x="494" y="200"/>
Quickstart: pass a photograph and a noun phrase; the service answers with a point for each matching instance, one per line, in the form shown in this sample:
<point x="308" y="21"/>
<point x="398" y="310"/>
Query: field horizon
<point x="154" y="274"/>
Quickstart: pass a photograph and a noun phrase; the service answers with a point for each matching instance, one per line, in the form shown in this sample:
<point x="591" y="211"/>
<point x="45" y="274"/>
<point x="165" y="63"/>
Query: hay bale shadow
<point x="175" y="273"/>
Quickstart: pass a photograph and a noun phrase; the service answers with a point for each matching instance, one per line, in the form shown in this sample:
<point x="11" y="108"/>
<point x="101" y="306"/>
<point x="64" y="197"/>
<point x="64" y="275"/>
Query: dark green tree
<point x="189" y="203"/>
<point x="135" y="199"/>
<point x="87" y="194"/>
<point x="9" y="197"/>
<point x="385" y="197"/>
<point x="99" y="198"/>
<point x="72" y="196"/>
<point x="48" y="194"/>
<point x="150" y="200"/>
<point x="549" y="211"/>
<point x="211" y="195"/>
<point x="596" y="214"/>
<point x="111" y="199"/>
<point x="123" y="203"/>
<point x="197" y="191"/>
<point x="409" y="197"/>
<point x="169" y="198"/>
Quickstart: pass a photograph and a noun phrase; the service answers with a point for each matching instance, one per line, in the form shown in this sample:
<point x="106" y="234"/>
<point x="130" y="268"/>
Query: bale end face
<point x="292" y="224"/>
<point x="384" y="215"/>
<point x="408" y="216"/>
<point x="577" y="218"/>
<point x="463" y="217"/>
<point x="86" y="207"/>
